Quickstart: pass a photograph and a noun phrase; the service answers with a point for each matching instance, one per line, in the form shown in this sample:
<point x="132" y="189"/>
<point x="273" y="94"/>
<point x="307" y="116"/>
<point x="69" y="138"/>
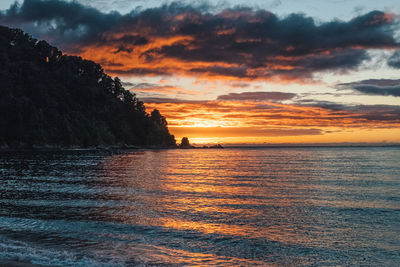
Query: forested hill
<point x="51" y="99"/>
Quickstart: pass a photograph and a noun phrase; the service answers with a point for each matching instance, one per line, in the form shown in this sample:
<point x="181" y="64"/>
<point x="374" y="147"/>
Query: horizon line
<point x="342" y="144"/>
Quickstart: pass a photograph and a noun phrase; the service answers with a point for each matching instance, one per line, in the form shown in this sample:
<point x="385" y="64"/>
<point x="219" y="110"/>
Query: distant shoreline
<point x="137" y="148"/>
<point x="55" y="149"/>
<point x="311" y="145"/>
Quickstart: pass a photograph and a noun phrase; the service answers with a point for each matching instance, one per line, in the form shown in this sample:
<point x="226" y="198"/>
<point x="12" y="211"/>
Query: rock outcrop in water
<point x="51" y="99"/>
<point x="185" y="143"/>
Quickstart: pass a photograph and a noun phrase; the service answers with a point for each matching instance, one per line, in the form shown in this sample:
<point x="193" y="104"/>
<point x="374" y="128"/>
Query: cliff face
<point x="47" y="98"/>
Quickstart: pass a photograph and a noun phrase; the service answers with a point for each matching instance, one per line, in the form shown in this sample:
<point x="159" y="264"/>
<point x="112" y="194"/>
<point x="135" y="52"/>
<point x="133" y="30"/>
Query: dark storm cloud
<point x="362" y="113"/>
<point x="384" y="87"/>
<point x="238" y="42"/>
<point x="60" y="21"/>
<point x="380" y="113"/>
<point x="394" y="60"/>
<point x="257" y="96"/>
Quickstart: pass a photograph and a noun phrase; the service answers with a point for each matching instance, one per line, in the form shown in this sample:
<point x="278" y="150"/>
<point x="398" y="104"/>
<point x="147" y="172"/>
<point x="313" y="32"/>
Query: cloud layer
<point x="236" y="45"/>
<point x="267" y="114"/>
<point x="192" y="40"/>
<point x="257" y="96"/>
<point x="384" y="87"/>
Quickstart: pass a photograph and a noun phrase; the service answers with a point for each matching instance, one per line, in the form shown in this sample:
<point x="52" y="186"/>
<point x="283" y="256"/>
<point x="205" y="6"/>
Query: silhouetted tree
<point x="48" y="98"/>
<point x="158" y="118"/>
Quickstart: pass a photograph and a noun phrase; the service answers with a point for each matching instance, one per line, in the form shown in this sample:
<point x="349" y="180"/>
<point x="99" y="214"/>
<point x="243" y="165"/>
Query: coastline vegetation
<point x="52" y="100"/>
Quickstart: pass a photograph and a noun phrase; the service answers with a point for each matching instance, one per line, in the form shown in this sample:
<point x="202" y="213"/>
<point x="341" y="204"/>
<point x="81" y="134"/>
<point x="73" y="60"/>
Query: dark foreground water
<point x="262" y="207"/>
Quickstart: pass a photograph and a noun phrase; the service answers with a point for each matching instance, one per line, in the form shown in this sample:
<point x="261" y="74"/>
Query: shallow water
<point x="239" y="206"/>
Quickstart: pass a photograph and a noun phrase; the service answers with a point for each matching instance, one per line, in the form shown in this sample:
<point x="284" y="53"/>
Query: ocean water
<point x="235" y="206"/>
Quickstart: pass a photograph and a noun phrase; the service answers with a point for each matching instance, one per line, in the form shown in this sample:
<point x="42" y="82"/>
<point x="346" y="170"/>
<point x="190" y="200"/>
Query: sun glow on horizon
<point x="242" y="74"/>
<point x="233" y="135"/>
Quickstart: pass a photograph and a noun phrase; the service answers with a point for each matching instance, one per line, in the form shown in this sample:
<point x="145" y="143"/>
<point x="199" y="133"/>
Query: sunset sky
<point x="254" y="71"/>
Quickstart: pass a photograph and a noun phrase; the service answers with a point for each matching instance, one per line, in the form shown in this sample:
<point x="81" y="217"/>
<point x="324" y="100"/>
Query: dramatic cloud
<point x="245" y="131"/>
<point x="394" y="60"/>
<point x="266" y="114"/>
<point x="384" y="87"/>
<point x="210" y="51"/>
<point x="179" y="39"/>
<point x="156" y="88"/>
<point x="257" y="96"/>
<point x="260" y="121"/>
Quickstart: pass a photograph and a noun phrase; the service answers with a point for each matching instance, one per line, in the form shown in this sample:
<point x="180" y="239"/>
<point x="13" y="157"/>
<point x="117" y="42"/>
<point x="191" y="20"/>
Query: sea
<point x="275" y="206"/>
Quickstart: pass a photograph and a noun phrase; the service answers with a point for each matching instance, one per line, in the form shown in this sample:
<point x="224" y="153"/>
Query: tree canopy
<point x="48" y="98"/>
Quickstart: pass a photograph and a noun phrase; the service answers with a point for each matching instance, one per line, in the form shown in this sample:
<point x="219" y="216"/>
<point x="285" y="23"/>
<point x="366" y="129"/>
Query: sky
<point x="240" y="72"/>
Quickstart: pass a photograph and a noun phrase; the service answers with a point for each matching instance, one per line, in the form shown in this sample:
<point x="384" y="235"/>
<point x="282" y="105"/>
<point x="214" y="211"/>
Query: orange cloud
<point x="164" y="89"/>
<point x="246" y="119"/>
<point x="235" y="45"/>
<point x="184" y="40"/>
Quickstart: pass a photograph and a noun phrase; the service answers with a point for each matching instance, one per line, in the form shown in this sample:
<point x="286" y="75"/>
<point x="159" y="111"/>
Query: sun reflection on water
<point x="287" y="197"/>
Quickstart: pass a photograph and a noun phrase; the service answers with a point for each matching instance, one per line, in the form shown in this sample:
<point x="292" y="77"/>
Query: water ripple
<point x="262" y="207"/>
